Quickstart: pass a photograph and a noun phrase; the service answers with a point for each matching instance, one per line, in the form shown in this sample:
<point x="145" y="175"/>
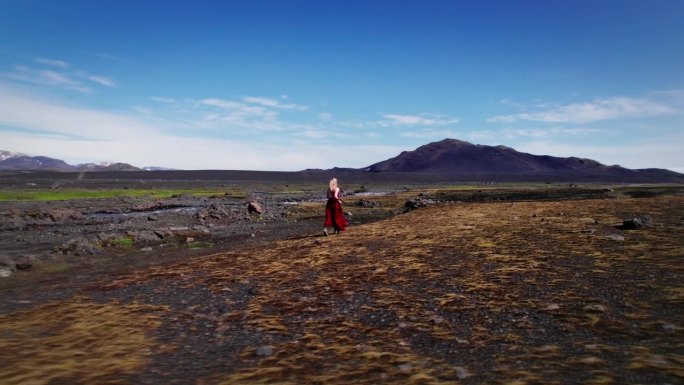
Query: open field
<point x="520" y="285"/>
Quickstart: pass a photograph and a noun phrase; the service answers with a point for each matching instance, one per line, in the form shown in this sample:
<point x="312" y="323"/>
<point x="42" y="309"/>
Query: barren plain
<point x="432" y="284"/>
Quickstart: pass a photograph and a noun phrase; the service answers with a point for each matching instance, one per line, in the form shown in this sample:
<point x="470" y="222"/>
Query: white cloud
<point x="142" y="110"/>
<point x="59" y="74"/>
<point x="44" y="77"/>
<point x="660" y="153"/>
<point x="75" y="134"/>
<point x="160" y="99"/>
<point x="54" y="63"/>
<point x="102" y="81"/>
<point x="481" y="135"/>
<point x="514" y="133"/>
<point x="26" y="111"/>
<point x="268" y="102"/>
<point x="417" y="120"/>
<point x="596" y="110"/>
<point x="325" y="116"/>
<point x="430" y="134"/>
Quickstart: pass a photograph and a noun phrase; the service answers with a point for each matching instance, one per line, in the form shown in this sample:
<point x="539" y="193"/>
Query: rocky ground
<point x="472" y="286"/>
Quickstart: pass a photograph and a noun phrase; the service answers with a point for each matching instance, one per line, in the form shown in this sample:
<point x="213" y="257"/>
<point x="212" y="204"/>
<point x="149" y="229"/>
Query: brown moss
<point x="75" y="341"/>
<point x="474" y="293"/>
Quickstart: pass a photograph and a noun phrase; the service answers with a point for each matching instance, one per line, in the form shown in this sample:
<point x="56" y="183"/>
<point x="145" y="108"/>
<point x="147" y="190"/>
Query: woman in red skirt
<point x="333" y="210"/>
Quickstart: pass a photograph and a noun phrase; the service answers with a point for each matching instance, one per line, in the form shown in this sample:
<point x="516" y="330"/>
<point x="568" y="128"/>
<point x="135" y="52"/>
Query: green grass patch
<point x="199" y="245"/>
<point x="54" y="267"/>
<point x="124" y="242"/>
<point x="71" y="194"/>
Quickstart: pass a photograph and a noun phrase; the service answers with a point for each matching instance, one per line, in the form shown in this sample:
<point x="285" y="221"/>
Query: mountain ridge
<point x="457" y="157"/>
<point x="13" y="161"/>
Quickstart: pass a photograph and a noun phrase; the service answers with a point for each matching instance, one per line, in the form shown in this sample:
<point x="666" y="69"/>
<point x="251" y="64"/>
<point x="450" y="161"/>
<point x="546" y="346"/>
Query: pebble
<point x="462" y="373"/>
<point x="616" y="237"/>
<point x="264" y="351"/>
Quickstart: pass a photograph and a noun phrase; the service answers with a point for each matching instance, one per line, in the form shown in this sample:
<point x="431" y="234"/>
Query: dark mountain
<point x="460" y="158"/>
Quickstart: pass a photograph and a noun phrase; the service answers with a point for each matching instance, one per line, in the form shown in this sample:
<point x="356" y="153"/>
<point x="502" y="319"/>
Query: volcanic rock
<point x="637" y="223"/>
<point x="145" y="236"/>
<point x="367" y="203"/>
<point x="254" y="207"/>
<point x="24" y="263"/>
<point x="214" y="211"/>
<point x="417" y="203"/>
<point x="81" y="246"/>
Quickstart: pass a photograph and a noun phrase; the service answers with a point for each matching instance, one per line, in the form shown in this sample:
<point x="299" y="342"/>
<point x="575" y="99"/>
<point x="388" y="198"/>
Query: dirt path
<point x="498" y="293"/>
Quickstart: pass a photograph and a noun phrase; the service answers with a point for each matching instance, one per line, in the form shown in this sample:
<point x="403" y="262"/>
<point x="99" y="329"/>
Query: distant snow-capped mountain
<point x="15" y="161"/>
<point x="8" y="154"/>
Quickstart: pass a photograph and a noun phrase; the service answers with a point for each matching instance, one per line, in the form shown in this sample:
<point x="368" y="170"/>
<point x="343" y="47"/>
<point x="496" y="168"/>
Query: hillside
<point x="458" y="158"/>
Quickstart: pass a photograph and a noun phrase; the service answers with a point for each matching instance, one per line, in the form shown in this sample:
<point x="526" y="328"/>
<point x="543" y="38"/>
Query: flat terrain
<point x="476" y="289"/>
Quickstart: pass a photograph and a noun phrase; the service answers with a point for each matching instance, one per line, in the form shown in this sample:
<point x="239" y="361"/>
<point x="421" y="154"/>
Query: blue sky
<point x="288" y="85"/>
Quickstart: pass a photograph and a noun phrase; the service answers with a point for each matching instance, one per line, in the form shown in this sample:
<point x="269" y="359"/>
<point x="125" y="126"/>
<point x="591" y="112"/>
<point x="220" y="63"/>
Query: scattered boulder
<point x="254" y="207"/>
<point x="148" y="206"/>
<point x="62" y="215"/>
<point x="24" y="263"/>
<point x="417" y="203"/>
<point x="214" y="211"/>
<point x="42" y="215"/>
<point x="145" y="236"/>
<point x="367" y="203"/>
<point x="81" y="246"/>
<point x="637" y="223"/>
<point x="5" y="271"/>
<point x="7" y="267"/>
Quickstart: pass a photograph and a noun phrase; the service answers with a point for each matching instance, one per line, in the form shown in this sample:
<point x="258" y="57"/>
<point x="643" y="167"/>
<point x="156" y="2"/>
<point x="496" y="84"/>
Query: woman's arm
<point x="337" y="195"/>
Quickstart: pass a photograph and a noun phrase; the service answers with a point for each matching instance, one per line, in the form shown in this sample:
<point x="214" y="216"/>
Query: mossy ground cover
<point x="496" y="293"/>
<point x="71" y="194"/>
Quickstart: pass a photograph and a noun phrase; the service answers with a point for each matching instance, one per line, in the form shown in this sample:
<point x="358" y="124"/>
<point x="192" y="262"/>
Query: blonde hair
<point x="333" y="184"/>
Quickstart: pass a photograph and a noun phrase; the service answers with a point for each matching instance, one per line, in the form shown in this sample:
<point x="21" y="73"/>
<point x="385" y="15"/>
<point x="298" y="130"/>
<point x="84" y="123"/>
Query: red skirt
<point x="334" y="217"/>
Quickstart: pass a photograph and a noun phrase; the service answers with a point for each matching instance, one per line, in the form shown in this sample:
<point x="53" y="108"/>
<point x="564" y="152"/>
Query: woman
<point x="333" y="210"/>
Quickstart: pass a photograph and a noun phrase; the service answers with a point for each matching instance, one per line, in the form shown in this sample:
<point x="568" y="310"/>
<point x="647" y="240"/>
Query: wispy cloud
<point x="53" y="63"/>
<point x="418" y="120"/>
<point x="44" y="77"/>
<point x="107" y="56"/>
<point x="102" y="81"/>
<point x="56" y="73"/>
<point x="429" y="134"/>
<point x="596" y="110"/>
<point x="555" y="133"/>
<point x="513" y="133"/>
<point x="84" y="135"/>
<point x="269" y="102"/>
<point x="160" y="99"/>
<point x="662" y="152"/>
